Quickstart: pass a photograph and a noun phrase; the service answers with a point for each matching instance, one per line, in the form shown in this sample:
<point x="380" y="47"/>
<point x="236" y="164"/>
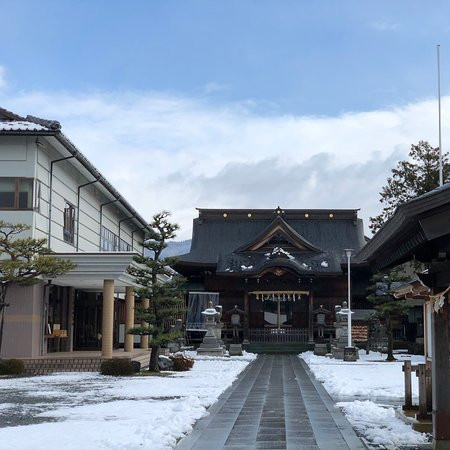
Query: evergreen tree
<point x="381" y="294"/>
<point x="24" y="261"/>
<point x="161" y="285"/>
<point x="416" y="176"/>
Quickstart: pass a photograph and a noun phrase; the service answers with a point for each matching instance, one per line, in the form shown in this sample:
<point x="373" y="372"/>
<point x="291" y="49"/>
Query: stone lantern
<point x="210" y="345"/>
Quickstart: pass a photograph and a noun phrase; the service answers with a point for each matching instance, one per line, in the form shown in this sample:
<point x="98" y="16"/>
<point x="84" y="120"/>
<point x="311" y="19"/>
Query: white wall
<point x="20" y="156"/>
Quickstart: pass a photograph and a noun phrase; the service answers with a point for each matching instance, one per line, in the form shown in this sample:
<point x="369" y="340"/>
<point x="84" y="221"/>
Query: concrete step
<point x="257" y="347"/>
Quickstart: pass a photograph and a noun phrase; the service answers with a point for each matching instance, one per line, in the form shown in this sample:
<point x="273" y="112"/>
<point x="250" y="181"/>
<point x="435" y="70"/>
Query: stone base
<point x="235" y="350"/>
<point x="210" y="351"/>
<point x="337" y="352"/>
<point x="320" y="349"/>
<point x="350" y="354"/>
<point x="441" y="444"/>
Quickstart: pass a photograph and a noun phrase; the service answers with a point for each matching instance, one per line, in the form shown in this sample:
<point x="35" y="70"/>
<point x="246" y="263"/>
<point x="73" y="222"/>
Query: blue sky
<point x="303" y="57"/>
<point x="236" y="103"/>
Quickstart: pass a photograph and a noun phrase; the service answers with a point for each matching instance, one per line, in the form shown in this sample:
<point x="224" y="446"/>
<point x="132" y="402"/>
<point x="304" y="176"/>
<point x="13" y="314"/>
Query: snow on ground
<point x="91" y="411"/>
<point x="379" y="425"/>
<point x="370" y="377"/>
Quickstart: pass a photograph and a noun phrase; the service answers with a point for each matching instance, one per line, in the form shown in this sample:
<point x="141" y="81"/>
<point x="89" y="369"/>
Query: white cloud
<point x="384" y="26"/>
<point x="177" y="153"/>
<point x="3" y="82"/>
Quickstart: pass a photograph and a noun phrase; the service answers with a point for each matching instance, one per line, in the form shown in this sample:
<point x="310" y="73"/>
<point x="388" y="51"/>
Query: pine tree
<point x="381" y="294"/>
<point x="161" y="285"/>
<point x="416" y="176"/>
<point x="23" y="261"/>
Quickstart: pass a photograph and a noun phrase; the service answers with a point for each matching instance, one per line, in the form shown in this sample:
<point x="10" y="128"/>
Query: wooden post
<point x="429" y="394"/>
<point x="310" y="319"/>
<point x="247" y="315"/>
<point x="108" y="318"/>
<point x="278" y="312"/>
<point x="441" y="378"/>
<point x="422" y="374"/>
<point x="408" y="388"/>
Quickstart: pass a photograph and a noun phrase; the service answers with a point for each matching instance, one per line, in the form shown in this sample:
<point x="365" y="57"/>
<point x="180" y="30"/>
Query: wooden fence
<point x="423" y="372"/>
<point x="278" y="335"/>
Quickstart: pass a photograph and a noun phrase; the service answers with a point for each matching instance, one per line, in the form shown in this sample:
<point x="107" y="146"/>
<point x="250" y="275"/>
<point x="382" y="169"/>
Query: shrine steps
<point x="262" y="348"/>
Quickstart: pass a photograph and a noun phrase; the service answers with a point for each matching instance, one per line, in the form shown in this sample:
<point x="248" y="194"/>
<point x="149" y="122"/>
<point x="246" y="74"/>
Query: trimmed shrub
<point x="181" y="363"/>
<point x="117" y="367"/>
<point x="11" y="367"/>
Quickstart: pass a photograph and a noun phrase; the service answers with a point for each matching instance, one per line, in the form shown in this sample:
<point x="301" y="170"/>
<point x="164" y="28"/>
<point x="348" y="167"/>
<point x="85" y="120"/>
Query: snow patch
<point x="100" y="412"/>
<point x="379" y="425"/>
<point x="370" y="377"/>
<point x="279" y="251"/>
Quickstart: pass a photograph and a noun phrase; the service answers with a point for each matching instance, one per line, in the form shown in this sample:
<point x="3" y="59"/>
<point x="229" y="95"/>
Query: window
<point x="69" y="223"/>
<point x="110" y="242"/>
<point x="16" y="193"/>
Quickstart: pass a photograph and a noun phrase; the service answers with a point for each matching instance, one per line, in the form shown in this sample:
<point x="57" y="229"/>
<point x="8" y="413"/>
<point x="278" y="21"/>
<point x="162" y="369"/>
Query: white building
<point x="47" y="183"/>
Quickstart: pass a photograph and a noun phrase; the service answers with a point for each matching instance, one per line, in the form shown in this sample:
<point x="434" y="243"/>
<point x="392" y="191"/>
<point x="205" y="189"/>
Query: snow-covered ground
<point x="372" y="389"/>
<point x="371" y="377"/>
<point x="91" y="411"/>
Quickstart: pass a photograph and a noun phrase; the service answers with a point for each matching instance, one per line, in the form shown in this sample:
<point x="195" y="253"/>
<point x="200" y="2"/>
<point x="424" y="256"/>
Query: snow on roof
<point x="21" y="125"/>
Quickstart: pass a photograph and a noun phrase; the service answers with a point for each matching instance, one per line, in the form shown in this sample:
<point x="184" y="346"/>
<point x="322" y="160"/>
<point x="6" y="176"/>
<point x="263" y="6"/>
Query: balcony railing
<point x="280" y="335"/>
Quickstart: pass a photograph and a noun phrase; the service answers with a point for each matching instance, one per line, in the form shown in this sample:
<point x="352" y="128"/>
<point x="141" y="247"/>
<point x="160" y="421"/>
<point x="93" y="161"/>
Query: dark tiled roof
<point x="402" y="217"/>
<point x="216" y="241"/>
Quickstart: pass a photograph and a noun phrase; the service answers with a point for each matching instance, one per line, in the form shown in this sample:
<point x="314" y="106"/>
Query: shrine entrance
<point x="278" y="316"/>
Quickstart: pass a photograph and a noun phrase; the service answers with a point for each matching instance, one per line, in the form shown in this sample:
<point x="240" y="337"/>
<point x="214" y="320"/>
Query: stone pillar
<point x="441" y="378"/>
<point x="310" y="319"/>
<point x="129" y="318"/>
<point x="108" y="318"/>
<point x="144" y="338"/>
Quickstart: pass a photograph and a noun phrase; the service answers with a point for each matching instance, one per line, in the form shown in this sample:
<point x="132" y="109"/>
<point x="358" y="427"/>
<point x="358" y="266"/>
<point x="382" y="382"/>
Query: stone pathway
<point x="275" y="404"/>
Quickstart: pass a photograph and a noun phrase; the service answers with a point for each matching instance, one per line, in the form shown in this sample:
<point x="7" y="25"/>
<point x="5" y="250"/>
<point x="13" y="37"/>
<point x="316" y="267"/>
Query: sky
<point x="232" y="104"/>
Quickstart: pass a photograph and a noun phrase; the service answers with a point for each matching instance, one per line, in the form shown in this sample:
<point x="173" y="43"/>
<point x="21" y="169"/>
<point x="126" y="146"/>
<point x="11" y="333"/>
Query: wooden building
<point x="277" y="265"/>
<point x="420" y="230"/>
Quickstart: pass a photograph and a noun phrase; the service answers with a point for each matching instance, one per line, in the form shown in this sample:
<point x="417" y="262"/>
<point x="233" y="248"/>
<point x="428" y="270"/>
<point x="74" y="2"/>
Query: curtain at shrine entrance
<point x="198" y="302"/>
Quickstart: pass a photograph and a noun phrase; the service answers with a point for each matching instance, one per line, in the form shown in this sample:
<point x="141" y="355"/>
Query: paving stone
<point x="274" y="404"/>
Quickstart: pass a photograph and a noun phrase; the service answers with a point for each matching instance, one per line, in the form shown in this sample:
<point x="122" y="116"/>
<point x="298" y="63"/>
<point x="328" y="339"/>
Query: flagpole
<point x="441" y="177"/>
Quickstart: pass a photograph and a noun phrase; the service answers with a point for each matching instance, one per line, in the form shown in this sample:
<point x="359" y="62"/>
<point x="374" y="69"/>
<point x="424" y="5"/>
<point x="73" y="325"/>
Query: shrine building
<point x="284" y="269"/>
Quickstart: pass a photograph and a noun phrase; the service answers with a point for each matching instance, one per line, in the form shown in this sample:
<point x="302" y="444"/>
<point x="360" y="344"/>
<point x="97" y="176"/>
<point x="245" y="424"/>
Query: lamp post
<point x="348" y="252"/>
<point x="349" y="352"/>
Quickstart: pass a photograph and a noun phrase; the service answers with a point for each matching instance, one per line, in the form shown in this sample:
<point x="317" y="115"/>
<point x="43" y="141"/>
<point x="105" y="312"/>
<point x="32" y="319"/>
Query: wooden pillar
<point x="70" y="330"/>
<point x="129" y="318"/>
<point x="108" y="318"/>
<point x="408" y="386"/>
<point x="441" y="379"/>
<point x="278" y="312"/>
<point x="310" y="318"/>
<point x="144" y="337"/>
<point x="247" y="316"/>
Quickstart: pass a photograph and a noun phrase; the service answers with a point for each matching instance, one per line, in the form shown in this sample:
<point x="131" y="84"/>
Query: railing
<point x="279" y="335"/>
<point x="195" y="326"/>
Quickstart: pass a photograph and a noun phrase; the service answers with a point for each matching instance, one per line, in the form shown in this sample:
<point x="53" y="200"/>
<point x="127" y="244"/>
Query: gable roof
<point x="222" y="239"/>
<point x="278" y="226"/>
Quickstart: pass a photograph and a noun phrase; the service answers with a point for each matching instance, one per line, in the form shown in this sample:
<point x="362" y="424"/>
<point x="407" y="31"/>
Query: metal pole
<point x="78" y="208"/>
<point x="441" y="175"/>
<point x="349" y="316"/>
